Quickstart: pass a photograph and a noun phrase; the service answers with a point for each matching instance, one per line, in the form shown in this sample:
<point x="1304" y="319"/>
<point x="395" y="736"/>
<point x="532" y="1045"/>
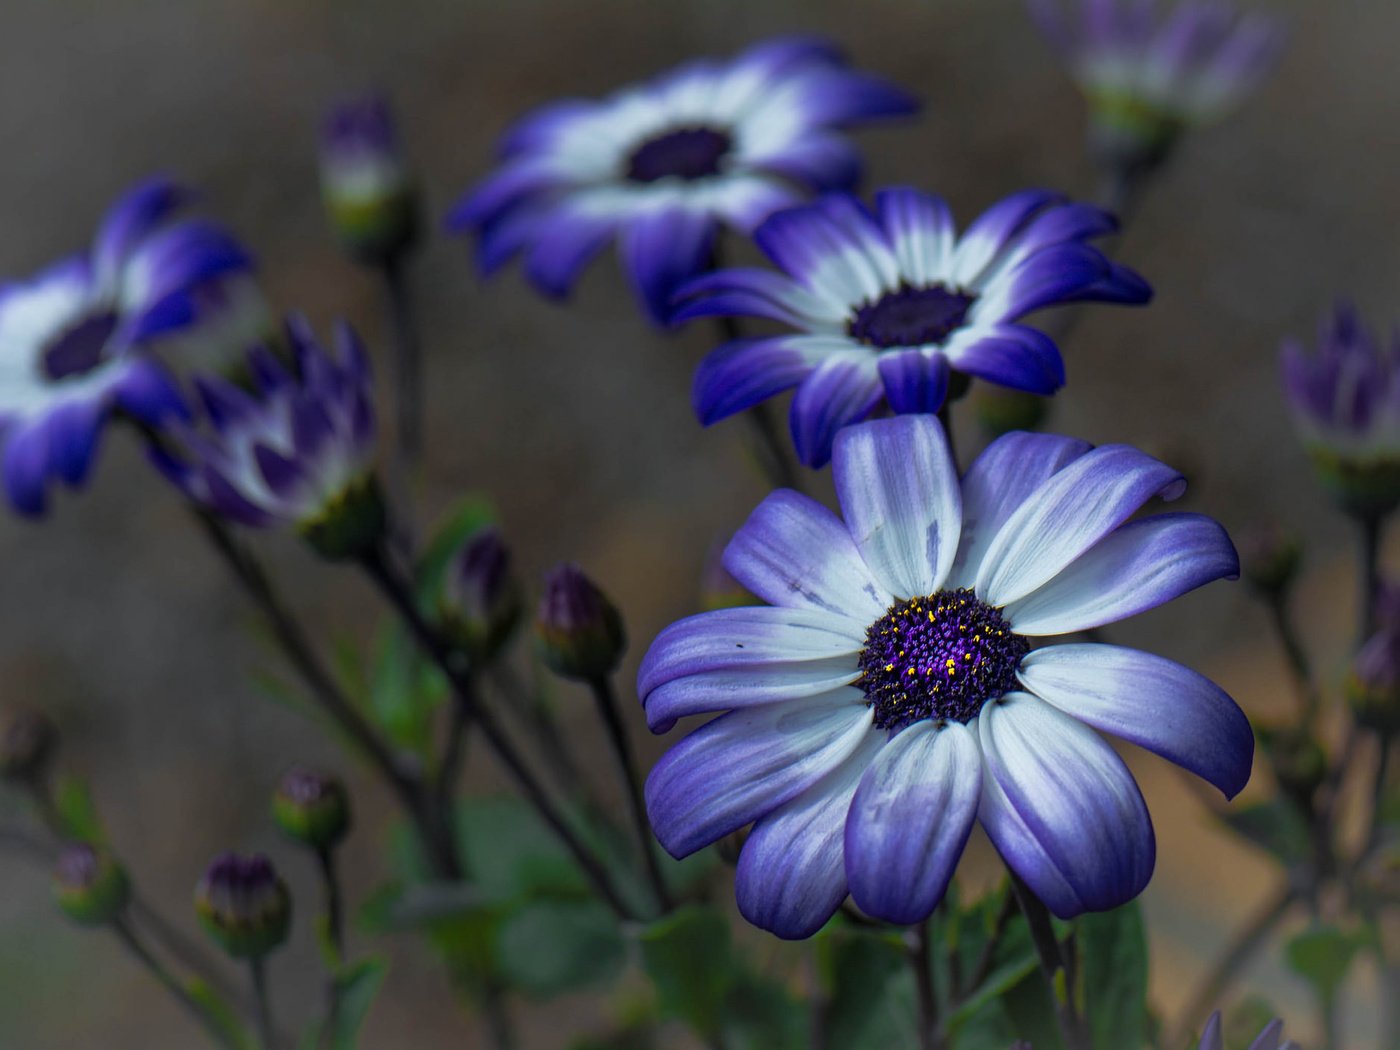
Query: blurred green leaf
<point x="1275" y="826"/>
<point x="688" y="957"/>
<point x="356" y="988"/>
<point x="549" y="947"/>
<point x="1032" y="1013"/>
<point x="761" y="1014"/>
<point x="511" y="855"/>
<point x="1113" y="970"/>
<point x="219" y="1016"/>
<point x="404" y="689"/>
<point x="1322" y="955"/>
<point x="869" y="989"/>
<point x="1012" y="960"/>
<point x="76" y="811"/>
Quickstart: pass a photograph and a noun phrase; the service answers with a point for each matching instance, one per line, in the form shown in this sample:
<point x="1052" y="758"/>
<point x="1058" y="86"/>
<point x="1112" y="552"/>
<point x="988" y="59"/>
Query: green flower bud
<point x="89" y="885"/>
<point x="311" y="808"/>
<point x="581" y="634"/>
<point x="244" y="905"/>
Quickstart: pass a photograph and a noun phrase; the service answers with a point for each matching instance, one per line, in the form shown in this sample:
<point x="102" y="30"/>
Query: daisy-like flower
<point x="661" y="166"/>
<point x="72" y="338"/>
<point x="1271" y="1038"/>
<point x="296" y="453"/>
<point x="1345" y="399"/>
<point x="1148" y="73"/>
<point x="889" y="696"/>
<point x="885" y="304"/>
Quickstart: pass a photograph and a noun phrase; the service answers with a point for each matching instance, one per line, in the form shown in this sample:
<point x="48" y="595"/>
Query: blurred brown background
<point x="576" y="418"/>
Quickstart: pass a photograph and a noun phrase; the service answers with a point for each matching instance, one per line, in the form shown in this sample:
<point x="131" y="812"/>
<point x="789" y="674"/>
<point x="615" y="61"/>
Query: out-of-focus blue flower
<point x="1150" y="73"/>
<point x="889" y="696"/>
<point x="72" y="339"/>
<point x="1271" y="1038"/>
<point x="296" y="452"/>
<point x="661" y="166"/>
<point x="885" y="304"/>
<point x="366" y="182"/>
<point x="1345" y="399"/>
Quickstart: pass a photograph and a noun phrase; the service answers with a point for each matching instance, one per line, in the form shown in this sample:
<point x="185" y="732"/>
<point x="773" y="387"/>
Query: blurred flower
<point x="1346" y="406"/>
<point x="1373" y="683"/>
<point x="1150" y="74"/>
<point x="365" y="179"/>
<point x="89" y="885"/>
<point x="298" y="452"/>
<point x="1269" y="1039"/>
<point x="312" y="808"/>
<point x="28" y="739"/>
<point x="1271" y="557"/>
<point x="231" y="315"/>
<point x="71" y="338"/>
<point x="244" y="904"/>
<point x="886" y="304"/>
<point x="889" y="696"/>
<point x="580" y="631"/>
<point x="662" y="165"/>
<point x="481" y="600"/>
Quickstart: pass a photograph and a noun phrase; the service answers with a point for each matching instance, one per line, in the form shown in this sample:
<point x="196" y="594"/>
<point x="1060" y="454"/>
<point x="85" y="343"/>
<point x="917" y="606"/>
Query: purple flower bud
<point x="580" y="632"/>
<point x="1213" y="1037"/>
<point x="28" y="739"/>
<point x="89" y="885"/>
<point x="312" y="808"/>
<point x="481" y="600"/>
<point x="1373" y="684"/>
<point x="365" y="180"/>
<point x="244" y="904"/>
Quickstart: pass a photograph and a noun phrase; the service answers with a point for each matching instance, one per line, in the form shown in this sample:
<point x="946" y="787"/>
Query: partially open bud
<point x="481" y="599"/>
<point x="89" y="885"/>
<point x="370" y="197"/>
<point x="28" y="740"/>
<point x="244" y="905"/>
<point x="1373" y="684"/>
<point x="1270" y="558"/>
<point x="580" y="632"/>
<point x="312" y="808"/>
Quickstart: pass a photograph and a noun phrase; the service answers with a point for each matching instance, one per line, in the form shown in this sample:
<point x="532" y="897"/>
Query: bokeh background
<point x="575" y="418"/>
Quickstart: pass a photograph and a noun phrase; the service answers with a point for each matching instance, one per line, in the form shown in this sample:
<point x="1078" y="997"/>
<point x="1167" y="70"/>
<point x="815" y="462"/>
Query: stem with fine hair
<point x="172" y="984"/>
<point x="258" y="969"/>
<point x="606" y="700"/>
<point x="917" y="952"/>
<point x="1052" y="964"/>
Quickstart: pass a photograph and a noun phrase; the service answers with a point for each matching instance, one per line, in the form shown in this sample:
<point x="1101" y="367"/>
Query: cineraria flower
<point x="1148" y="74"/>
<point x="886" y="304"/>
<point x="662" y="165"/>
<point x="1346" y="405"/>
<point x="71" y="338"/>
<point x="890" y="695"/>
<point x="296" y="453"/>
<point x="1213" y="1039"/>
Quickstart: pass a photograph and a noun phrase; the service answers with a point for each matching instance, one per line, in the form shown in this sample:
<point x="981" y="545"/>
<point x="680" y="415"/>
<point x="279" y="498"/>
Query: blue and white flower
<point x="889" y="696"/>
<point x="886" y="304"/>
<point x="661" y="166"/>
<point x="72" y="339"/>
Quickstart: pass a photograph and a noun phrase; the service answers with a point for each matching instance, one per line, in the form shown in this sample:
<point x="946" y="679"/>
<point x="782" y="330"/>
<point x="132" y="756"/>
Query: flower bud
<point x="580" y="632"/>
<point x="1270" y="558"/>
<point x="28" y="740"/>
<point x="1373" y="684"/>
<point x="481" y="600"/>
<point x="89" y="885"/>
<point x="1000" y="410"/>
<point x="370" y="197"/>
<point x="244" y="904"/>
<point x="1298" y="761"/>
<point x="312" y="808"/>
<point x="349" y="525"/>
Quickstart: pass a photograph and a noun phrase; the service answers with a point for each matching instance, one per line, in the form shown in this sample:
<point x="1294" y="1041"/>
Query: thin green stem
<point x="1296" y="656"/>
<point x="257" y="968"/>
<point x="919" y="955"/>
<point x="1052" y="965"/>
<point x="1376" y="824"/>
<point x="172" y="984"/>
<point x="983" y="966"/>
<point x="330" y="884"/>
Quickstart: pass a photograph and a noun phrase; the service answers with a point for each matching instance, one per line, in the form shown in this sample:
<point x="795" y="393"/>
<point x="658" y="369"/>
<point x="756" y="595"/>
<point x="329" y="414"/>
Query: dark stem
<point x="920" y="961"/>
<point x="172" y="984"/>
<point x="1295" y="654"/>
<point x="1376" y="824"/>
<point x="984" y="959"/>
<point x="330" y="882"/>
<point x="407" y="361"/>
<point x="258" y="969"/>
<point x="400" y="595"/>
<point x="1370" y="572"/>
<point x="530" y="706"/>
<point x="1052" y="964"/>
<point x="606" y="700"/>
<point x="498" y="1018"/>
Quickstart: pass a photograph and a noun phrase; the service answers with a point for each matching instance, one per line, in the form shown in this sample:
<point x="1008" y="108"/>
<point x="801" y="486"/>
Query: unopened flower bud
<point x="369" y="191"/>
<point x="481" y="599"/>
<point x="312" y="808"/>
<point x="28" y="739"/>
<point x="1373" y="684"/>
<point x="89" y="885"/>
<point x="580" y="632"/>
<point x="1000" y="410"/>
<point x="1270" y="558"/>
<point x="244" y="904"/>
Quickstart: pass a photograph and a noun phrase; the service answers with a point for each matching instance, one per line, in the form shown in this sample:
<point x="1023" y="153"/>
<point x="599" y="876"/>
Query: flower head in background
<point x="1271" y="1038"/>
<point x="73" y="339"/>
<point x="1149" y="74"/>
<point x="367" y="185"/>
<point x="1345" y="398"/>
<point x="89" y="885"/>
<point x="312" y="808"/>
<point x="886" y="304"/>
<point x="297" y="452"/>
<point x="244" y="904"/>
<point x="889" y="695"/>
<point x="662" y="166"/>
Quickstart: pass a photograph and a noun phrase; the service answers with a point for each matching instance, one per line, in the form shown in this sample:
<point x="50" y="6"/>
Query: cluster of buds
<point x="579" y="629"/>
<point x="366" y="183"/>
<point x="244" y="905"/>
<point x="312" y="808"/>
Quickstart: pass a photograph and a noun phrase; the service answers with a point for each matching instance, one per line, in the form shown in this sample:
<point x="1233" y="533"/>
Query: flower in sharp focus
<point x="663" y="165"/>
<point x="73" y="339"/>
<point x="885" y="304"/>
<point x="244" y="904"/>
<point x="1345" y="400"/>
<point x="889" y="694"/>
<point x="1149" y="74"/>
<point x="1271" y="1038"/>
<point x="366" y="182"/>
<point x="297" y="452"/>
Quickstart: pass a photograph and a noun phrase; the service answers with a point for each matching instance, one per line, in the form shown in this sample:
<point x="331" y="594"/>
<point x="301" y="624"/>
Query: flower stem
<point x="606" y="700"/>
<point x="407" y="360"/>
<point x="765" y="432"/>
<point x="920" y="962"/>
<point x="330" y="882"/>
<point x="530" y="706"/>
<point x="983" y="965"/>
<point x="173" y="985"/>
<point x="1370" y="550"/>
<point x="1052" y="965"/>
<point x="1295" y="654"/>
<point x="258" y="969"/>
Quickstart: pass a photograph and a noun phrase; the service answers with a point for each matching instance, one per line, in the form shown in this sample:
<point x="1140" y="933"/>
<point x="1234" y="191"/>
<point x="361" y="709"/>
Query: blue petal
<point x="663" y="249"/>
<point x="916" y="381"/>
<point x="843" y="389"/>
<point x="563" y="247"/>
<point x="502" y="191"/>
<point x="739" y="375"/>
<point x="1010" y="355"/>
<point x="26" y="466"/>
<point x="74" y="429"/>
<point x="133" y="218"/>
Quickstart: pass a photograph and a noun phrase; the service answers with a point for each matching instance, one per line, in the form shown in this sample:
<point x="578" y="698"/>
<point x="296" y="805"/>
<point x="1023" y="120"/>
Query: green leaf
<point x="511" y="855"/>
<point x="688" y="957"/>
<point x="1113" y="970"/>
<point x="76" y="811"/>
<point x="549" y="947"/>
<point x="761" y="1014"/>
<point x="1275" y="826"/>
<point x="1032" y="1013"/>
<point x="219" y="1018"/>
<point x="356" y="988"/>
<point x="1013" y="960"/>
<point x="404" y="690"/>
<point x="869" y="988"/>
<point x="1322" y="956"/>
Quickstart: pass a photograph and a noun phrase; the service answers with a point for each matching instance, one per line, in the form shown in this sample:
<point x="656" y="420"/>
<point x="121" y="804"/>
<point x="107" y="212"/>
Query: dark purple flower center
<point x="910" y="316"/>
<point x="684" y="153"/>
<point x="80" y="347"/>
<point x="940" y="657"/>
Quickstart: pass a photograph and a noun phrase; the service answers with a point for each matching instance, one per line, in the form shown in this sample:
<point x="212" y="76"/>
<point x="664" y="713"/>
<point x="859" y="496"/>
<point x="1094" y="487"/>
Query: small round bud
<point x="312" y="808"/>
<point x="1373" y="683"/>
<point x="1270" y="558"/>
<point x="28" y="739"/>
<point x="350" y="525"/>
<point x="370" y="196"/>
<point x="481" y="600"/>
<point x="244" y="905"/>
<point x="1000" y="410"/>
<point x="580" y="632"/>
<point x="89" y="885"/>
